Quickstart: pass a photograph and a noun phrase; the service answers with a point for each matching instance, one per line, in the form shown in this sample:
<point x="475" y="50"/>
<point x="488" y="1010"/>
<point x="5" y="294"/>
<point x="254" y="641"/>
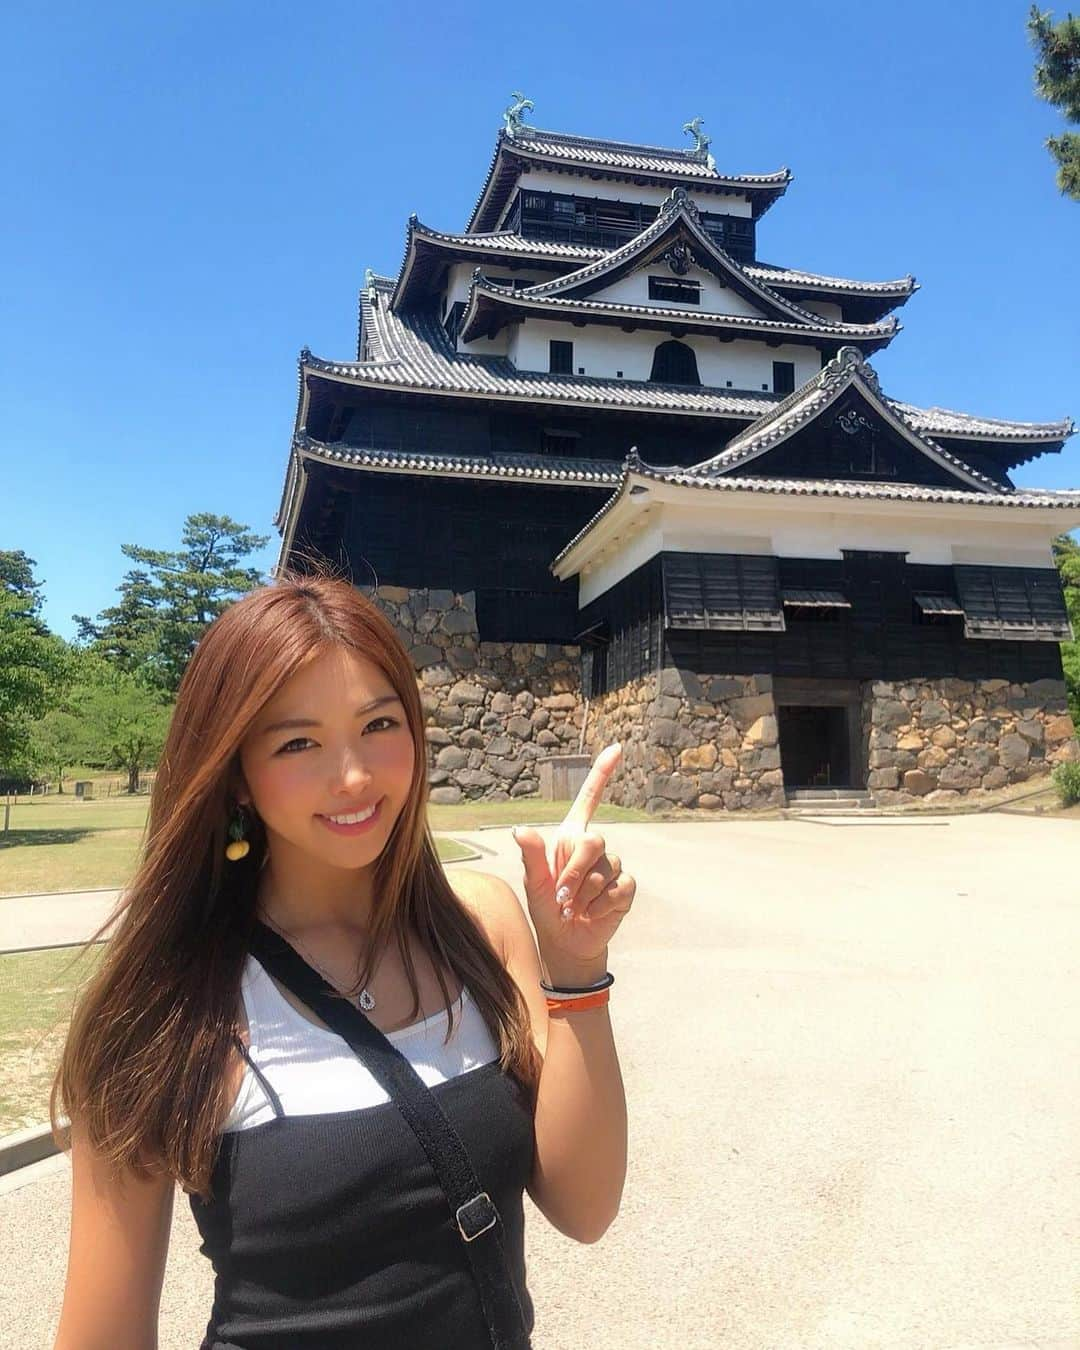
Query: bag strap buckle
<point x="476" y="1216"/>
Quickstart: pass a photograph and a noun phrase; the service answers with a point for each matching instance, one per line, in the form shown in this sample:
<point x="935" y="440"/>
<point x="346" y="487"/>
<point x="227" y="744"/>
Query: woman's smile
<point x="345" y="822"/>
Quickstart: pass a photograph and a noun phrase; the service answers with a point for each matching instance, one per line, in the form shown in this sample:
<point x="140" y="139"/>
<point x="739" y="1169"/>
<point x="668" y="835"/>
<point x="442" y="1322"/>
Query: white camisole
<point x="314" y="1071"/>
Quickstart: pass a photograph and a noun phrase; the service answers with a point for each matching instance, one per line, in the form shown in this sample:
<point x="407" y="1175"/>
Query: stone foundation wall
<point x="493" y="709"/>
<point x="705" y="741"/>
<point x="940" y="740"/>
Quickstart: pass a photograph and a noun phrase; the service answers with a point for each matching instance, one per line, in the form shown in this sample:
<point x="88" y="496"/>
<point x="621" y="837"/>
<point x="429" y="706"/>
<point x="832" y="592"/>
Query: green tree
<point x="172" y="597"/>
<point x="122" y="722"/>
<point x="56" y="742"/>
<point x="1067" y="557"/>
<point x="1057" y="79"/>
<point x="17" y="579"/>
<point x="34" y="663"/>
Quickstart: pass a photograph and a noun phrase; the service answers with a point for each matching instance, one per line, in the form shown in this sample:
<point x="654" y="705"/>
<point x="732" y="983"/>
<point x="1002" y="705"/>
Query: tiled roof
<point x="1015" y="498"/>
<point x="638" y="158"/>
<point x="774" y="275"/>
<point x="531" y="300"/>
<point x="944" y="422"/>
<point x="534" y="468"/>
<point x="411" y="352"/>
<point x="505" y="243"/>
<point x="812" y="399"/>
<point x="678" y="216"/>
<point x="616" y="158"/>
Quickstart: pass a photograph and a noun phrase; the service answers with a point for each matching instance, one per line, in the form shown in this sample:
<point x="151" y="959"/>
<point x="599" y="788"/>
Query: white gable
<point x="633" y="289"/>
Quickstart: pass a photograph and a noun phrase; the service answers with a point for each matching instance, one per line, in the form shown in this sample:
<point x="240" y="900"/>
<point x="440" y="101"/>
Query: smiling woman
<point x="194" y="1056"/>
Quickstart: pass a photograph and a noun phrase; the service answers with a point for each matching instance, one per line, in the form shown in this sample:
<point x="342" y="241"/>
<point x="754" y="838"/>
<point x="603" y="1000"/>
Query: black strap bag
<point x="474" y="1212"/>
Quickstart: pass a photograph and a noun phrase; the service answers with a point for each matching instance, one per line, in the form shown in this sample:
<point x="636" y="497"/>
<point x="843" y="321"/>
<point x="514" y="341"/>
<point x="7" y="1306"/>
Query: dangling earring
<point x="238" y="847"/>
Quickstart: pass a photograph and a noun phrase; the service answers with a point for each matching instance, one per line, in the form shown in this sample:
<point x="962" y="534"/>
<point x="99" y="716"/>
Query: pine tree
<point x="1057" y="79"/>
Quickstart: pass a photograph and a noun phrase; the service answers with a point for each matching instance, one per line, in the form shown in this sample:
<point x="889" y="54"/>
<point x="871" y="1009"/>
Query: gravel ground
<point x="850" y="1052"/>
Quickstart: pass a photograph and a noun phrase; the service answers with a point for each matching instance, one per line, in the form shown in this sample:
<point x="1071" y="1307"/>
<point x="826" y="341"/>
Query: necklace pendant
<point x="366" y="1001"/>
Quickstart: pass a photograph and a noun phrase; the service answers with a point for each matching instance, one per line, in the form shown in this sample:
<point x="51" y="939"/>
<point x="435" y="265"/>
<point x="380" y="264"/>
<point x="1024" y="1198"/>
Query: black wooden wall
<point x="883" y="636"/>
<point x="497" y="539"/>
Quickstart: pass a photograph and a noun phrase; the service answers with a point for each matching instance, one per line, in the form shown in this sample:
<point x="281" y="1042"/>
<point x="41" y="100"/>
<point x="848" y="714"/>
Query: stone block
<point x="445" y="796"/>
<point x="1013" y="751"/>
<point x="425" y="656"/>
<point x="746" y="711"/>
<point x="944" y="737"/>
<point x="890" y="713"/>
<point x="933" y="757"/>
<point x="910" y="740"/>
<point x="932" y="713"/>
<point x="996" y="778"/>
<point x="725" y="688"/>
<point x="918" y="783"/>
<point x="697" y="758"/>
<point x="458" y="621"/>
<point x="959" y="776"/>
<point x="882" y="778"/>
<point x="762" y="732"/>
<point x="1059" y="728"/>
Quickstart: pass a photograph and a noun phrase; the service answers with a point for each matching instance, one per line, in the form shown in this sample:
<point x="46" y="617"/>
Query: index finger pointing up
<point x="592" y="790"/>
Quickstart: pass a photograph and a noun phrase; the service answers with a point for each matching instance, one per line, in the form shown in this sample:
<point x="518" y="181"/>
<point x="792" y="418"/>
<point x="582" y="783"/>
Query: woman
<point x="290" y="803"/>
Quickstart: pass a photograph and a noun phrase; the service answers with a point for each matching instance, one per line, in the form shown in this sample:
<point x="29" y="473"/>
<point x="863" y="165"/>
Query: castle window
<point x="561" y="358"/>
<point x="673" y="291"/>
<point x="452" y="322"/>
<point x="557" y="441"/>
<point x="675" y="363"/>
<point x="783" y="377"/>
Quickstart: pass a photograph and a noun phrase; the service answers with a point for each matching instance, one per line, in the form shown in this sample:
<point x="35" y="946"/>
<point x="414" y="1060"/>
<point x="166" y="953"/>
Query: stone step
<point x="822" y="804"/>
<point x="827" y="794"/>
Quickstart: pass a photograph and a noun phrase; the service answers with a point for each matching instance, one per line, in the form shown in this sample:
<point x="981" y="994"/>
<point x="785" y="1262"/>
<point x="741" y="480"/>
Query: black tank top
<point x="331" y="1231"/>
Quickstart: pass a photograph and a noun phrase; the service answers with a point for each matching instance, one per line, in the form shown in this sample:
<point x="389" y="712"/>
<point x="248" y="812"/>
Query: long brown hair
<point x="144" y="1065"/>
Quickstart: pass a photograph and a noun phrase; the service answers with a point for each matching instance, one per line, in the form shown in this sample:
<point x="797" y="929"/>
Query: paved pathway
<point x="850" y="1051"/>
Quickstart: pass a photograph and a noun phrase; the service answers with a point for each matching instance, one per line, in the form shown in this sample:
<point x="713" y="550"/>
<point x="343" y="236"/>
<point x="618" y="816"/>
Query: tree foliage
<point x="1057" y="79"/>
<point x="34" y="663"/>
<point x="118" y="722"/>
<point x="1067" y="557"/>
<point x="171" y="597"/>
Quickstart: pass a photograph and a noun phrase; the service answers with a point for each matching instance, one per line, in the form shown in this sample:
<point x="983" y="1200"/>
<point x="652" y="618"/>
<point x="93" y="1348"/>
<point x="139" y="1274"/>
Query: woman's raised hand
<point x="579" y="898"/>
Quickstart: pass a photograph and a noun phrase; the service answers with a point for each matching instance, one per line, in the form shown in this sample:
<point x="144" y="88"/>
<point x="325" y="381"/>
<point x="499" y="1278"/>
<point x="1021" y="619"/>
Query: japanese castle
<point x="613" y="476"/>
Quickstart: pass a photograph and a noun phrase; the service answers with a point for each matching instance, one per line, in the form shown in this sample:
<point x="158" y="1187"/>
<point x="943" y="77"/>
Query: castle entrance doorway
<point x="820" y="730"/>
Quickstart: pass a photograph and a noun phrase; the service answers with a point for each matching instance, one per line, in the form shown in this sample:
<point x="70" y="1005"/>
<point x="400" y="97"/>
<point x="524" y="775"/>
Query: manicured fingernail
<point x="562" y="895"/>
<point x="568" y="912"/>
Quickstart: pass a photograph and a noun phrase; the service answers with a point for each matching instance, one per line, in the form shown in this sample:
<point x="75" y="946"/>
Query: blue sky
<point x="196" y="189"/>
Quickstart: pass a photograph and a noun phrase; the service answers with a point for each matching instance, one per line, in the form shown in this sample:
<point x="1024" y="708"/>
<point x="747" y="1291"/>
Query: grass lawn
<point x="37" y="991"/>
<point x="65" y="843"/>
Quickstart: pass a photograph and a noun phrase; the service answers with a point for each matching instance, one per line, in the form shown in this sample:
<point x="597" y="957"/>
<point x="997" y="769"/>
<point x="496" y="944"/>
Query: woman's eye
<point x="299" y="740"/>
<point x="302" y="740"/>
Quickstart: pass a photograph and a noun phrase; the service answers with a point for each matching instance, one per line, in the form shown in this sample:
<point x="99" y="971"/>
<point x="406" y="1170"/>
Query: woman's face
<point x="338" y="757"/>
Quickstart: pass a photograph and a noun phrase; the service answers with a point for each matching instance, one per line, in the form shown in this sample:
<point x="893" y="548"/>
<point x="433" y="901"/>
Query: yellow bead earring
<point x="238" y="847"/>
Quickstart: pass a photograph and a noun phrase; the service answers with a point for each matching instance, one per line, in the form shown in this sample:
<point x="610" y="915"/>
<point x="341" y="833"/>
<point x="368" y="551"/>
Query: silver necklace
<point x="365" y="1001"/>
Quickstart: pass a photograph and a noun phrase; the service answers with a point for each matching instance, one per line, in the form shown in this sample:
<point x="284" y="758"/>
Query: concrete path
<point x="851" y="1055"/>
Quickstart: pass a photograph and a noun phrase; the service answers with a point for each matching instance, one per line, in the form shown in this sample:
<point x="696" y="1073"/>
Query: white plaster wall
<point x="820" y="528"/>
<point x="633" y="289"/>
<point x="605" y="350"/>
<point x="581" y="185"/>
<point x="459" y="277"/>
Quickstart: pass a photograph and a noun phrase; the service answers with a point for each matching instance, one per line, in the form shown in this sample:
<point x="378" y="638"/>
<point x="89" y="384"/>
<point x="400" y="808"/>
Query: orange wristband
<point x="565" y="1005"/>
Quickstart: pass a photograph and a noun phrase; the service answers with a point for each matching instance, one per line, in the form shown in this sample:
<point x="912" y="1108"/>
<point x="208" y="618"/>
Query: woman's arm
<point x="581" y="1131"/>
<point x="116" y="1258"/>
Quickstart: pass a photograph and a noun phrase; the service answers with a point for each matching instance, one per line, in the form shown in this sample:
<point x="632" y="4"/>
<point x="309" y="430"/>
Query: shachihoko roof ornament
<point x="513" y="116"/>
<point x="701" y="142"/>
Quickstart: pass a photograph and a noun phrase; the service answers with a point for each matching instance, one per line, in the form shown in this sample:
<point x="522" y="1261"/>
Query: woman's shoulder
<point x="486" y="898"/>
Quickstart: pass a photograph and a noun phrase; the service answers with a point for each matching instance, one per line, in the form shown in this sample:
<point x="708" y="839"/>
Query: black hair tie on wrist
<point x="605" y="983"/>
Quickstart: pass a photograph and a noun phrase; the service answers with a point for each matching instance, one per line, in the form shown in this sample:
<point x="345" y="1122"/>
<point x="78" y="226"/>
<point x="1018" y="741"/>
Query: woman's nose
<point x="352" y="770"/>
